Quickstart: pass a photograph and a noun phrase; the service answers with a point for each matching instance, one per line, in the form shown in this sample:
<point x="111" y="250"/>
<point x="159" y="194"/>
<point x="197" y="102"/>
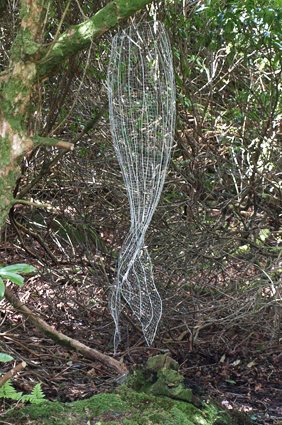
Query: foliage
<point x="230" y="83"/>
<point x="8" y="391"/>
<point x="11" y="273"/>
<point x="35" y="397"/>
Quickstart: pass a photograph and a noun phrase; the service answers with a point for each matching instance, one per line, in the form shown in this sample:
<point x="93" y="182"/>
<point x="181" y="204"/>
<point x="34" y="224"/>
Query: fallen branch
<point x="12" y="373"/>
<point x="62" y="339"/>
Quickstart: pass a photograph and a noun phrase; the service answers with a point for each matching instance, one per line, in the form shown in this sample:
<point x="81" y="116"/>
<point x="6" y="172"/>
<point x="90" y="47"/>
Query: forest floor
<point x="251" y="383"/>
<point x="243" y="374"/>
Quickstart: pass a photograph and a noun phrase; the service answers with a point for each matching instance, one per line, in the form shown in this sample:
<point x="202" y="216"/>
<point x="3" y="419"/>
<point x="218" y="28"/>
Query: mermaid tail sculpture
<point x="142" y="117"/>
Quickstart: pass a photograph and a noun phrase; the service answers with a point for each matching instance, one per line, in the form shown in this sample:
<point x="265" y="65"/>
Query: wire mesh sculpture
<point x="142" y="117"/>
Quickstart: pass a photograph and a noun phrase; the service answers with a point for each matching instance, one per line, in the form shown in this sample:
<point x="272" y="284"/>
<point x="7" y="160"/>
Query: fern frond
<point x="8" y="391"/>
<point x="36" y="396"/>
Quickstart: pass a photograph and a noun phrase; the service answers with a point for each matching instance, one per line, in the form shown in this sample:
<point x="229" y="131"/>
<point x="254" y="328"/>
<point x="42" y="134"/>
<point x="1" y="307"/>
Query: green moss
<point x="128" y="8"/>
<point x="161" y="361"/>
<point x="7" y="184"/>
<point x="50" y="413"/>
<point x="79" y="37"/>
<point x="43" y="410"/>
<point x="83" y="33"/>
<point x="133" y="397"/>
<point x="16" y="49"/>
<point x="30" y="47"/>
<point x="125" y="407"/>
<point x="179" y="417"/>
<point x="170" y="384"/>
<point x="23" y="10"/>
<point x="160" y="378"/>
<point x="5" y="151"/>
<point x="130" y="407"/>
<point x="14" y="94"/>
<point x="7" y="180"/>
<point x="96" y="405"/>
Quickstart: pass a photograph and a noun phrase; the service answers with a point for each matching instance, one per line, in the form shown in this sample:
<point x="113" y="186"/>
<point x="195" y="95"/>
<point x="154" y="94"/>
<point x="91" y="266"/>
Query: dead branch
<point x="62" y="339"/>
<point x="64" y="145"/>
<point x="12" y="373"/>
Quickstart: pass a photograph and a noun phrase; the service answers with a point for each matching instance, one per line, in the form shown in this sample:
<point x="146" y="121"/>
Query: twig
<point x="17" y="226"/>
<point x="21" y="345"/>
<point x="34" y="204"/>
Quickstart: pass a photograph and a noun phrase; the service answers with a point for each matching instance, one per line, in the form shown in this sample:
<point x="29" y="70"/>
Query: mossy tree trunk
<point x="31" y="62"/>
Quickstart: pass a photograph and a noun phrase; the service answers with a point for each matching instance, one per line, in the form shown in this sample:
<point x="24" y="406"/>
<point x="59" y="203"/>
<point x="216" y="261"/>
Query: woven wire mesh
<point x="142" y="117"/>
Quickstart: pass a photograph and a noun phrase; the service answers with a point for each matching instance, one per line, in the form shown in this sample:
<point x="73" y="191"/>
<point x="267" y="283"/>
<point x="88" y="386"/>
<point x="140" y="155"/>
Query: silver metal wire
<point x="142" y="117"/>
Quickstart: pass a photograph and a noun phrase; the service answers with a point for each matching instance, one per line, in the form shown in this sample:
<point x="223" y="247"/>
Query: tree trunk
<point x="30" y="62"/>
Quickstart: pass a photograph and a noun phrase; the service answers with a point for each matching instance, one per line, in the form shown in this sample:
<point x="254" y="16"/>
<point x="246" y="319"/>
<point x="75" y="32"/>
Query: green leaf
<point x="229" y="27"/>
<point x="198" y="21"/>
<point x="5" y="357"/>
<point x="209" y="39"/>
<point x="13" y="277"/>
<point x="229" y="381"/>
<point x="220" y="18"/>
<point x="178" y="81"/>
<point x="2" y="288"/>
<point x="15" y="268"/>
<point x="277" y="58"/>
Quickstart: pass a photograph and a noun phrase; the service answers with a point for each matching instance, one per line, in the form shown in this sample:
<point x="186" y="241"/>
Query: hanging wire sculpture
<point x="142" y="118"/>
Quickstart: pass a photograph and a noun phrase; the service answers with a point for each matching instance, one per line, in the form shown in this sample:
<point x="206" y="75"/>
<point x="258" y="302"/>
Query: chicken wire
<point x="142" y="117"/>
